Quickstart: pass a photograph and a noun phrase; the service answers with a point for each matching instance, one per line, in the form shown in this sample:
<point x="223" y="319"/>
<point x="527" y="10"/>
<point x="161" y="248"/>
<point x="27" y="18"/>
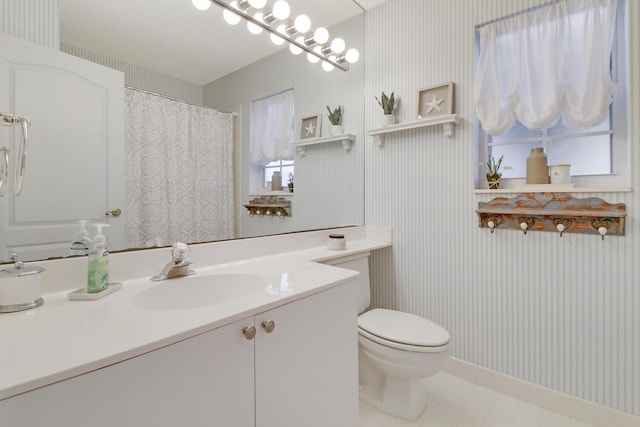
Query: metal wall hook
<point x="602" y="226"/>
<point x="562" y="224"/>
<point x="526" y="223"/>
<point x="492" y="222"/>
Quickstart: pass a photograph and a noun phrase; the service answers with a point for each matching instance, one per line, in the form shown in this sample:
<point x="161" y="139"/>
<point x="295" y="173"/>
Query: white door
<point x="75" y="156"/>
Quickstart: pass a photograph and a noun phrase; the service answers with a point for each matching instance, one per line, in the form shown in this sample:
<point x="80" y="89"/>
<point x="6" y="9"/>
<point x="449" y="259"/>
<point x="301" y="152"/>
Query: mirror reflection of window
<point x="285" y="167"/>
<point x="272" y="124"/>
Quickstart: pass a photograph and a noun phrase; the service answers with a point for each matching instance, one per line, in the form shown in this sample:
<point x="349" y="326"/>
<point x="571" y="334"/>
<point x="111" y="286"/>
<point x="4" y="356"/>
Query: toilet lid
<point x="404" y="328"/>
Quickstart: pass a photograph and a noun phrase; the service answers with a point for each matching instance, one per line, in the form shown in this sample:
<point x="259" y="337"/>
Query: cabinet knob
<point x="249" y="332"/>
<point x="114" y="212"/>
<point x="269" y="326"/>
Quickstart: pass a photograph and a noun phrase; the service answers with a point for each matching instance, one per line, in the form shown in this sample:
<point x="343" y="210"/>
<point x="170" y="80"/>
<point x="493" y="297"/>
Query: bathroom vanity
<point x="282" y="355"/>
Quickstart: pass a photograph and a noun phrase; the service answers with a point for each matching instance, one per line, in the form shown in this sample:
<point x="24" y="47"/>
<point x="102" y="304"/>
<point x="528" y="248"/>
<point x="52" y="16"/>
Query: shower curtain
<point x="179" y="172"/>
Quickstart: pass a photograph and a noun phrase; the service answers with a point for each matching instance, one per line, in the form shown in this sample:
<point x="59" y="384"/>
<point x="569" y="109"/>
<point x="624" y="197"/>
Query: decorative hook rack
<point x="270" y="206"/>
<point x="558" y="212"/>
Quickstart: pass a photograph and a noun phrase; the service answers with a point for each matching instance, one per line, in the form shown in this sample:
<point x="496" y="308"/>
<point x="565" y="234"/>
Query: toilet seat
<point x="403" y="331"/>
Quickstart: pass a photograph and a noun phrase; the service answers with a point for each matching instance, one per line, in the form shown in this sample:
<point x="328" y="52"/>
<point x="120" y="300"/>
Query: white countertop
<point x="64" y="338"/>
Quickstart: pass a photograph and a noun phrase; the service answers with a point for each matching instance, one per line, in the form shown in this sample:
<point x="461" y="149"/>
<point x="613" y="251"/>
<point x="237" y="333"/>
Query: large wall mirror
<point x="238" y="68"/>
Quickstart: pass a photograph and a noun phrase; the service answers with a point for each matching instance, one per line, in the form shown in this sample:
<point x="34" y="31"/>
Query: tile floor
<point x="454" y="402"/>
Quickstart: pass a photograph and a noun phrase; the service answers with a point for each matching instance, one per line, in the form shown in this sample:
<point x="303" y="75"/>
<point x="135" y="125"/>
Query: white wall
<point x="561" y="313"/>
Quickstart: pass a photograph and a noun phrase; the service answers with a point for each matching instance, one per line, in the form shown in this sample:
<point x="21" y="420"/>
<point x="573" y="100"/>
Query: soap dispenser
<point x="81" y="242"/>
<point x="98" y="277"/>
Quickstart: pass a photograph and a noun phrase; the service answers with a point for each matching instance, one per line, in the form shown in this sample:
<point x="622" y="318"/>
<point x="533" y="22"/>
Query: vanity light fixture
<point x="201" y="4"/>
<point x="275" y="38"/>
<point x="259" y="17"/>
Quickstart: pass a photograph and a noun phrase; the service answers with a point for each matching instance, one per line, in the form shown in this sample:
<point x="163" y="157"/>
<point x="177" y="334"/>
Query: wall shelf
<point x="269" y="205"/>
<point x="559" y="212"/>
<point x="346" y="139"/>
<point x="447" y="122"/>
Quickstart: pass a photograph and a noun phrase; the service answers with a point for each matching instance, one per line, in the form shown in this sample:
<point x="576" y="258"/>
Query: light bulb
<point x="281" y="10"/>
<point x="327" y="66"/>
<point x="253" y="28"/>
<point x="352" y="56"/>
<point x="201" y="4"/>
<point x="337" y="45"/>
<point x="321" y="35"/>
<point x="278" y="40"/>
<point x="230" y="17"/>
<point x="312" y="58"/>
<point x="295" y="49"/>
<point x="302" y="24"/>
<point x="258" y="4"/>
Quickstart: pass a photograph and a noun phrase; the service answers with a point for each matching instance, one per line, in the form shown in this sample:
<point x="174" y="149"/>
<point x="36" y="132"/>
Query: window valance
<point x="550" y="63"/>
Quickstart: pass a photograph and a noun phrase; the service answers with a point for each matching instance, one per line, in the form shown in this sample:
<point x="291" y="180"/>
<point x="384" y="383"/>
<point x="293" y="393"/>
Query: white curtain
<point x="272" y="128"/>
<point x="179" y="172"/>
<point x="546" y="64"/>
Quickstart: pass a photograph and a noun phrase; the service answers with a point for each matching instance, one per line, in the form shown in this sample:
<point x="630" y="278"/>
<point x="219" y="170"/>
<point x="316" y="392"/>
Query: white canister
<point x="560" y="174"/>
<point x="20" y="288"/>
<point x="336" y="242"/>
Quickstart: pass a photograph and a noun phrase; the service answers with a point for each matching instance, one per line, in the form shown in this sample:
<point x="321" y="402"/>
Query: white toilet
<point x="396" y="350"/>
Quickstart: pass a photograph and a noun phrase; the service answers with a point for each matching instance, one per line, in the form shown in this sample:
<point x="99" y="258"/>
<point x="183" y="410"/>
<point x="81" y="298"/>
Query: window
<point x="285" y="167"/>
<point x="597" y="151"/>
<point x="272" y="124"/>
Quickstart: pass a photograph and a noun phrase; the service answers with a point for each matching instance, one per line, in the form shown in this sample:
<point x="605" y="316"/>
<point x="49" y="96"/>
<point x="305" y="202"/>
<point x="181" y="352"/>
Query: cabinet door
<point x="206" y="380"/>
<point x="307" y="367"/>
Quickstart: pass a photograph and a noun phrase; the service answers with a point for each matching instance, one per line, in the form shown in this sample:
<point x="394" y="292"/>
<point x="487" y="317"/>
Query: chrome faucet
<point x="178" y="266"/>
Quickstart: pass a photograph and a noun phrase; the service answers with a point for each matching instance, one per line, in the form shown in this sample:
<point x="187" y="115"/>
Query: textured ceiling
<point x="174" y="38"/>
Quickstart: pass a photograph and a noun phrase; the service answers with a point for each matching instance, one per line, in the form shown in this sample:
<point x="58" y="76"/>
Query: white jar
<point x="560" y="174"/>
<point x="20" y="288"/>
<point x="336" y="242"/>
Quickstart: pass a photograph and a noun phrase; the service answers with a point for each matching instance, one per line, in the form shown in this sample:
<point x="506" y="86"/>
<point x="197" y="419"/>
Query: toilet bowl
<point x="396" y="350"/>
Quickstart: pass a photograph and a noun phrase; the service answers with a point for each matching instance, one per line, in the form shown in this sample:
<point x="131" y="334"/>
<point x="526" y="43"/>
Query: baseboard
<point x="552" y="400"/>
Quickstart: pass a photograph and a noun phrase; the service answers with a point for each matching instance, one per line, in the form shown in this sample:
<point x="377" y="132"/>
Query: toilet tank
<point x="360" y="263"/>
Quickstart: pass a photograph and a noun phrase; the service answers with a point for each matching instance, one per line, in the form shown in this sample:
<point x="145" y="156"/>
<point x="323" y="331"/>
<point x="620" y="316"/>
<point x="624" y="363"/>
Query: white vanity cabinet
<point x="302" y="373"/>
<point x="206" y="380"/>
<point x="307" y="368"/>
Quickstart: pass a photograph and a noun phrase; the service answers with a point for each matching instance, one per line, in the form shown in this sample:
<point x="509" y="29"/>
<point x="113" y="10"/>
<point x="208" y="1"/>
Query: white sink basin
<point x="199" y="291"/>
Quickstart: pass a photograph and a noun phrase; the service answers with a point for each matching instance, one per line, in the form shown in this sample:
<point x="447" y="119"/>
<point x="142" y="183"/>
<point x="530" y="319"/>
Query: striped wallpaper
<point x="33" y="20"/>
<point x="562" y="312"/>
<point x="143" y="78"/>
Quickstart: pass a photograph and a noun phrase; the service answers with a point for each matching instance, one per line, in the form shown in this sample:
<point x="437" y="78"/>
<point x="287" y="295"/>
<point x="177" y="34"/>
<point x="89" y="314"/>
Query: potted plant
<point x="388" y="104"/>
<point x="335" y="117"/>
<point x="493" y="172"/>
<point x="290" y="182"/>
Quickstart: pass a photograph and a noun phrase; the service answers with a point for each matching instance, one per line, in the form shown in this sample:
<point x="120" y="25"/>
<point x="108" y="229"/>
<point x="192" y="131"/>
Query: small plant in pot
<point x="335" y="117"/>
<point x="388" y="104"/>
<point x="493" y="172"/>
<point x="290" y="182"/>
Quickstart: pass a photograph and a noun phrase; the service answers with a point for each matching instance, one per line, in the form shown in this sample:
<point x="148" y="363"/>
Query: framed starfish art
<point x="311" y="126"/>
<point x="435" y="100"/>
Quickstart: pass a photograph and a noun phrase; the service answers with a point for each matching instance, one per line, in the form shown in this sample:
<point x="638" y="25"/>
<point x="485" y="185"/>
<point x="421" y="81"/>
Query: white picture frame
<point x="311" y="126"/>
<point x="435" y="100"/>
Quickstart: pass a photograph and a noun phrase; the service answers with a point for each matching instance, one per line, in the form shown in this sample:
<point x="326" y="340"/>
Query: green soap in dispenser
<point x="98" y="278"/>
